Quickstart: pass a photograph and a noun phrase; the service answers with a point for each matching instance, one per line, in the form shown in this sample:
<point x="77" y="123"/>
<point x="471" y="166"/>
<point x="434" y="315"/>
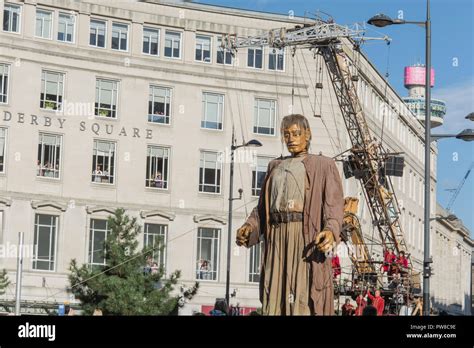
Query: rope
<point x="293" y="81"/>
<point x="387" y="74"/>
<point x="312" y="107"/>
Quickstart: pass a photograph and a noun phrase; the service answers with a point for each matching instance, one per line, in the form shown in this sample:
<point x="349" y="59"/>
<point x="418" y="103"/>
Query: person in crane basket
<point x="299" y="217"/>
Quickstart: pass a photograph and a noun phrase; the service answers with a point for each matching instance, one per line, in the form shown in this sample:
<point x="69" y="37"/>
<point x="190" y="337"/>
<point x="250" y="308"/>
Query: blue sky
<point x="452" y="59"/>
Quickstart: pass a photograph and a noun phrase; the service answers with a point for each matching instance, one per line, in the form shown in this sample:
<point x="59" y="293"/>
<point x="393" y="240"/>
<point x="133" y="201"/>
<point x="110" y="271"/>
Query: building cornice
<point x="5" y="201"/>
<point x="51" y="204"/>
<point x="99" y="209"/>
<point x="161" y="213"/>
<point x="204" y="218"/>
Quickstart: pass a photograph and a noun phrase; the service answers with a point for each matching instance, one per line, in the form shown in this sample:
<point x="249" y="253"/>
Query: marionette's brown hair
<point x="300" y="121"/>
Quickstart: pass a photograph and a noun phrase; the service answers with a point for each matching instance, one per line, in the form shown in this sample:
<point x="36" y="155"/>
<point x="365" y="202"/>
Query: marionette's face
<point x="296" y="139"/>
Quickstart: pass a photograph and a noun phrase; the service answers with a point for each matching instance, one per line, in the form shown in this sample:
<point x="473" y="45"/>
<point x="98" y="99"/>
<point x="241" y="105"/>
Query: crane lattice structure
<point x="458" y="189"/>
<point x="367" y="156"/>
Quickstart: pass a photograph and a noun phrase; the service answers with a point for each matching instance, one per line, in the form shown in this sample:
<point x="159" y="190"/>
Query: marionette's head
<point x="296" y="133"/>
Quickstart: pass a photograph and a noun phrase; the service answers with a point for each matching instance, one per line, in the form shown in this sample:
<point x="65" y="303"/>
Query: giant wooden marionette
<point x="299" y="217"/>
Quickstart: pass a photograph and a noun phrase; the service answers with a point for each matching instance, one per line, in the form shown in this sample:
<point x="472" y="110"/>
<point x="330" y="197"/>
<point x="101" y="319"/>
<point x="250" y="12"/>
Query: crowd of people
<point x="393" y="265"/>
<point x="48" y="169"/>
<point x="368" y="304"/>
<point x="391" y="299"/>
<point x="204" y="270"/>
<point x="151" y="266"/>
<point x="157" y="180"/>
<point x="99" y="175"/>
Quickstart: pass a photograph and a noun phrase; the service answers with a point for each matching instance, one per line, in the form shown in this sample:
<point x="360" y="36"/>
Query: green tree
<point x="125" y="286"/>
<point x="4" y="282"/>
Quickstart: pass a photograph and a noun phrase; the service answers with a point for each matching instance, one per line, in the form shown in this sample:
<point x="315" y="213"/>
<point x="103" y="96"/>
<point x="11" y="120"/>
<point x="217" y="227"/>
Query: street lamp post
<point x="382" y="20"/>
<point x="426" y="250"/>
<point x="231" y="200"/>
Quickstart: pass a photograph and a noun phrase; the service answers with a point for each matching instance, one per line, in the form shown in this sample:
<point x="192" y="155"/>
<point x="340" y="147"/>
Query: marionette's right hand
<point x="243" y="235"/>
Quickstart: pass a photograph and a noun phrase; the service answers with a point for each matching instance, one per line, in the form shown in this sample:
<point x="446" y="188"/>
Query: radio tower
<point x="415" y="83"/>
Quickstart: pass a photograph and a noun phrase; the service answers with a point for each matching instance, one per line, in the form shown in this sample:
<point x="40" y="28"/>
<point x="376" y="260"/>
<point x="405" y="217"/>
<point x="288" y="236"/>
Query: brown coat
<point x="323" y="210"/>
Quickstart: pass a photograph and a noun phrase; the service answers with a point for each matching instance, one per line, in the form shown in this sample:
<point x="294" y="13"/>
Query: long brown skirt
<point x="286" y="274"/>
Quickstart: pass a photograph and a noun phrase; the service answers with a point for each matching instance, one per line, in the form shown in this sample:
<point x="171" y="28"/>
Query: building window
<point x="119" y="36"/>
<point x="254" y="266"/>
<point x="49" y="155"/>
<point x="173" y="44"/>
<point x="97" y="237"/>
<point x="4" y="78"/>
<point x="151" y="41"/>
<point x="255" y="58"/>
<point x="106" y="98"/>
<point x="3" y="145"/>
<point x="159" y="101"/>
<point x="11" y="18"/>
<point x="103" y="162"/>
<point x="276" y="59"/>
<point x="224" y="55"/>
<point x="44" y="251"/>
<point x="157" y="167"/>
<point x="264" y="117"/>
<point x="212" y="110"/>
<point x="203" y="48"/>
<point x="258" y="174"/>
<point x="52" y="88"/>
<point x="97" y="33"/>
<point x="44" y="24"/>
<point x="66" y="27"/>
<point x="155" y="237"/>
<point x="210" y="172"/>
<point x="207" y="256"/>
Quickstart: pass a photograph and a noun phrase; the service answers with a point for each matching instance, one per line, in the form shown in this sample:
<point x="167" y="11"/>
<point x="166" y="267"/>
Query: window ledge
<point x="159" y="124"/>
<point x="41" y="271"/>
<point x="105" y="118"/>
<point x="48" y="179"/>
<point x="264" y="135"/>
<point x="206" y="280"/>
<point x="159" y="190"/>
<point x="57" y="112"/>
<point x="150" y="55"/>
<point x="214" y="130"/>
<point x="210" y="194"/>
<point x="44" y="38"/>
<point x="103" y="185"/>
<point x="11" y="32"/>
<point x="120" y="51"/>
<point x="92" y="46"/>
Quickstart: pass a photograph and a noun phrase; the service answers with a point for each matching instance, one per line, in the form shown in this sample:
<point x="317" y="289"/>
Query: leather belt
<point x="277" y="218"/>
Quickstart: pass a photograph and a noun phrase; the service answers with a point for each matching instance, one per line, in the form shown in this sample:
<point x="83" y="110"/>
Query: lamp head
<point x="380" y="20"/>
<point x="466" y="135"/>
<point x="253" y="142"/>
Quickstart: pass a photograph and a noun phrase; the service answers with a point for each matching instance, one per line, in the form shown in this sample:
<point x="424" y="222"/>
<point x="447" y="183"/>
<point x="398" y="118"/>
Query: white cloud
<point x="459" y="100"/>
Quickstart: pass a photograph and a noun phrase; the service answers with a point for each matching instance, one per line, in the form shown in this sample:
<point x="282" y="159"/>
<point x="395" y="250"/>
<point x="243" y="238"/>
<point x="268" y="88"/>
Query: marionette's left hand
<point x="325" y="241"/>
